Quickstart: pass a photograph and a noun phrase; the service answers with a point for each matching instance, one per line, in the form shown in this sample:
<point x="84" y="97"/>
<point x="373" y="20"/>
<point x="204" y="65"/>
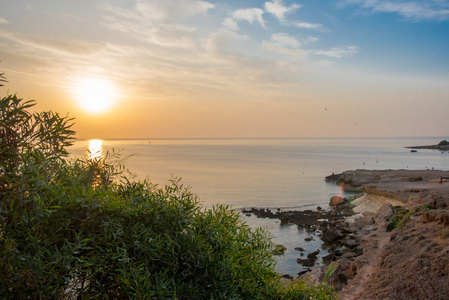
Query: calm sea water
<point x="268" y="173"/>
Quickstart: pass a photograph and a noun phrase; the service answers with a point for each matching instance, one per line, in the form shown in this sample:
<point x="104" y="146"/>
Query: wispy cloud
<point x="278" y="9"/>
<point x="230" y="23"/>
<point x="250" y="15"/>
<point x="414" y="10"/>
<point x="3" y="21"/>
<point x="338" y="52"/>
<point x="284" y="44"/>
<point x="308" y="25"/>
<point x="286" y="40"/>
<point x="325" y="63"/>
<point x="53" y="46"/>
<point x="169" y="9"/>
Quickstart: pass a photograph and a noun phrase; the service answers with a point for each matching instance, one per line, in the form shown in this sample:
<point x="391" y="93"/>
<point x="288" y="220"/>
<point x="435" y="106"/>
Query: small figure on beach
<point x="441" y="180"/>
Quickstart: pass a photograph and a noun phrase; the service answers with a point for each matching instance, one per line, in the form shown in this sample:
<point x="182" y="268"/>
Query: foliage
<point x="402" y="215"/>
<point x="413" y="179"/>
<point x="2" y="78"/>
<point x="443" y="143"/>
<point x="330" y="270"/>
<point x="81" y="229"/>
<point x="399" y="213"/>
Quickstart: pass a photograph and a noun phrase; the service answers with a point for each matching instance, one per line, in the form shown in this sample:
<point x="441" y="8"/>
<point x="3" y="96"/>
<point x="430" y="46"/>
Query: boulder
<point x="337" y="200"/>
<point x="308" y="262"/>
<point x="332" y="236"/>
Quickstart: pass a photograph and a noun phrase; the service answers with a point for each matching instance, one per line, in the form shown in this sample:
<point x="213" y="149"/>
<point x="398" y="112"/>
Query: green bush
<point x="79" y="228"/>
<point x="443" y="143"/>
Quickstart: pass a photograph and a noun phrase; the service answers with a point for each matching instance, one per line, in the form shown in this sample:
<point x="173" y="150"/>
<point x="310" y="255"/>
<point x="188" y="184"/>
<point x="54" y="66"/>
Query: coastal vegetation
<point x="443" y="143"/>
<point x="81" y="228"/>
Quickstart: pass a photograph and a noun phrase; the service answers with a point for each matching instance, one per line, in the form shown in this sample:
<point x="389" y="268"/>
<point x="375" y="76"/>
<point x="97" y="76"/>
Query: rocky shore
<point x="390" y="242"/>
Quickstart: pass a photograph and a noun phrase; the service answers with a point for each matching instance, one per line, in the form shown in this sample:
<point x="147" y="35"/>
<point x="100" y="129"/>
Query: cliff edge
<point x="406" y="250"/>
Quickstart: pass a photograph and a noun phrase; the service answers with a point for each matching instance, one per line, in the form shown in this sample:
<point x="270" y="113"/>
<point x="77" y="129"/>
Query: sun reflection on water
<point x="95" y="149"/>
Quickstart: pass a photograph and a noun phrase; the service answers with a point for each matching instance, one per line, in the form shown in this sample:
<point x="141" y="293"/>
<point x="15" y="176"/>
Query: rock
<point x="337" y="252"/>
<point x="315" y="276"/>
<point x="308" y="262"/>
<point x="313" y="254"/>
<point x="303" y="272"/>
<point x="328" y="259"/>
<point x="278" y="250"/>
<point x="357" y="221"/>
<point x="332" y="236"/>
<point x="299" y="249"/>
<point x="349" y="242"/>
<point x="337" y="200"/>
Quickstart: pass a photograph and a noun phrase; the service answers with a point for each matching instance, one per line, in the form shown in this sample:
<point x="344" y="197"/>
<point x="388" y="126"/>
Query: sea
<point x="273" y="173"/>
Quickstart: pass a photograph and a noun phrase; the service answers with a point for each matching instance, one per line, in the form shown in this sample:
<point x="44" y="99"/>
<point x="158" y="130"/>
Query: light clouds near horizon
<point x="278" y="68"/>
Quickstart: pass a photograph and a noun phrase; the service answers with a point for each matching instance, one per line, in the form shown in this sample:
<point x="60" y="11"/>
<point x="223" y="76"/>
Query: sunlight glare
<point x="95" y="94"/>
<point x="95" y="149"/>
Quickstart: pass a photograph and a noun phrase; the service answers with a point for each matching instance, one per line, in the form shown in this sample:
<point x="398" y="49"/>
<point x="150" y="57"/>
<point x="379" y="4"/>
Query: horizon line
<point x="258" y="138"/>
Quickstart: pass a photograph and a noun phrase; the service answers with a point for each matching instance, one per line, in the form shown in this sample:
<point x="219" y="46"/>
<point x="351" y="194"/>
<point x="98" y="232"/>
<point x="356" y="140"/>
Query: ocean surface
<point x="266" y="173"/>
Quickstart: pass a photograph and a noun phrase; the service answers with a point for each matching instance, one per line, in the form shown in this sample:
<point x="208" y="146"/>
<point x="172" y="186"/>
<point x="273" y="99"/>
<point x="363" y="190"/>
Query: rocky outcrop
<point x="411" y="262"/>
<point x="409" y="188"/>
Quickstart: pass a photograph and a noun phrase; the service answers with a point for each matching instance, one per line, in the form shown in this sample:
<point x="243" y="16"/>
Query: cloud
<point x="310" y="39"/>
<point x="156" y="23"/>
<point x="338" y="52"/>
<point x="325" y="63"/>
<point x="284" y="44"/>
<point x="54" y="46"/>
<point x="250" y="15"/>
<point x="415" y="10"/>
<point x="285" y="40"/>
<point x="278" y="9"/>
<point x="230" y="23"/>
<point x="3" y="21"/>
<point x="308" y="25"/>
<point x="169" y="9"/>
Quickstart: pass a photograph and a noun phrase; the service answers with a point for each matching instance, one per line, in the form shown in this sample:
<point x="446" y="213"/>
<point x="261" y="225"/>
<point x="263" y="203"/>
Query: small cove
<point x="268" y="173"/>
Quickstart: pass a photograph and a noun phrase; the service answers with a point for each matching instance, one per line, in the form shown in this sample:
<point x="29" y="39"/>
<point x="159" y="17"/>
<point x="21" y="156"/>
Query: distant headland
<point x="443" y="145"/>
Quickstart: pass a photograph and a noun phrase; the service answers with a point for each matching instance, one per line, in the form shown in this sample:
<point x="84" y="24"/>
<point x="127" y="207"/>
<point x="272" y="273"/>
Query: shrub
<point x="443" y="143"/>
<point x="81" y="229"/>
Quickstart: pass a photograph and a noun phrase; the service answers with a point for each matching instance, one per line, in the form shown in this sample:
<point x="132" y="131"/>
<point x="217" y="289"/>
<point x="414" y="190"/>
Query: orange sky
<point x="207" y="69"/>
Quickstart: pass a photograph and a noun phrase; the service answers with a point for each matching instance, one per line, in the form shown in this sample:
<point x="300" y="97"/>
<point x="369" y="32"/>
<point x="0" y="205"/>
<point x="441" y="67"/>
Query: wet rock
<point x="338" y="253"/>
<point x="303" y="272"/>
<point x="337" y="200"/>
<point x="332" y="236"/>
<point x="328" y="259"/>
<point x="278" y="250"/>
<point x="308" y="262"/>
<point x="299" y="249"/>
<point x="313" y="254"/>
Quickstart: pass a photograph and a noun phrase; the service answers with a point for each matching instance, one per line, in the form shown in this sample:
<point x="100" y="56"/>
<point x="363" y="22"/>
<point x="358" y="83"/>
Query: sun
<point x="95" y="94"/>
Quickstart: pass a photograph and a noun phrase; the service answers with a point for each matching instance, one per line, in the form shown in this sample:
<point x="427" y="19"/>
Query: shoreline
<point x="391" y="239"/>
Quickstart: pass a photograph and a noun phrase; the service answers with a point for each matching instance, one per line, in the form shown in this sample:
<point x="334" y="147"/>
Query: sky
<point x="232" y="69"/>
